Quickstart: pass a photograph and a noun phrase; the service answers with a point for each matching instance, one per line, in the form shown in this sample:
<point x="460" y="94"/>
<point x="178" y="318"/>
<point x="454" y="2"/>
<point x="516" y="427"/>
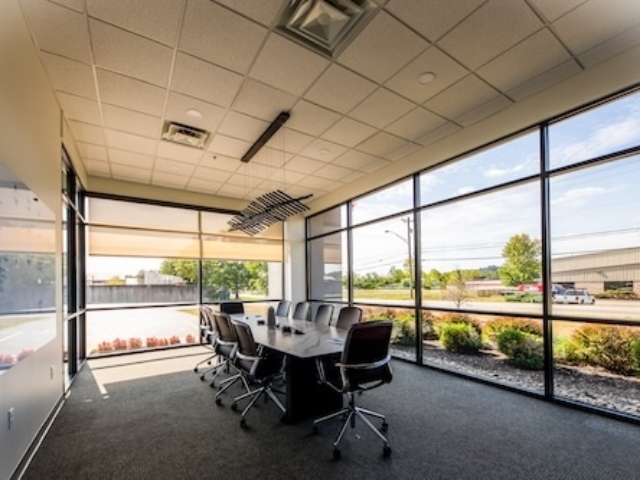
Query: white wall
<point x="30" y="146"/>
<point x="294" y="260"/>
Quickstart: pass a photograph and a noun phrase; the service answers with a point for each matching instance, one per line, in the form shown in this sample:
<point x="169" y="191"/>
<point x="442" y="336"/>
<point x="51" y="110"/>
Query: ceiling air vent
<point x="184" y="134"/>
<point x="327" y="26"/>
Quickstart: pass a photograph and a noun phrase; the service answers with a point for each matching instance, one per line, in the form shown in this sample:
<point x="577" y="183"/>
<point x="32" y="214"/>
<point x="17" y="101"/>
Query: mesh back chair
<point x="324" y="314"/>
<point x="301" y="311"/>
<point x="207" y="337"/>
<point x="258" y="368"/>
<point x="232" y="307"/>
<point x="364" y="365"/>
<point x="226" y="347"/>
<point x="283" y="308"/>
<point x="348" y="316"/>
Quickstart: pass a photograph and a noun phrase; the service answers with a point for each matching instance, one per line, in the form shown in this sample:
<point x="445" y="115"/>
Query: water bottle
<point x="271" y="318"/>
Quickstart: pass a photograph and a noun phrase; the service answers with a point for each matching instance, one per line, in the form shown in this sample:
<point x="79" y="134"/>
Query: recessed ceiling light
<point x="324" y="151"/>
<point x="426" y="77"/>
<point x="192" y="112"/>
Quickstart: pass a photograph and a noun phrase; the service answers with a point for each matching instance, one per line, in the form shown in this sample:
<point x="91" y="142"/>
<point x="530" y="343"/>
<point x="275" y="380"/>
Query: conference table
<point x="302" y="343"/>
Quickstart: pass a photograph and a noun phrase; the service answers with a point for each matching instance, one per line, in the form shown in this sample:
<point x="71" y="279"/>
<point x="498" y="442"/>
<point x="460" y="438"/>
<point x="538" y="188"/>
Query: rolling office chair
<point x="283" y="308"/>
<point x="226" y="346"/>
<point x="324" y="314"/>
<point x="364" y="365"/>
<point x="207" y="336"/>
<point x="348" y="316"/>
<point x="258" y="368"/>
<point x="232" y="307"/>
<point x="301" y="311"/>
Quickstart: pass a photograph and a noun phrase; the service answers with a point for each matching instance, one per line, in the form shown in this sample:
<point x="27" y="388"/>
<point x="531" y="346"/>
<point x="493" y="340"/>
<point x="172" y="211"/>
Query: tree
<point x="185" y="269"/>
<point x="522" y="260"/>
<point x="457" y="290"/>
<point x="434" y="279"/>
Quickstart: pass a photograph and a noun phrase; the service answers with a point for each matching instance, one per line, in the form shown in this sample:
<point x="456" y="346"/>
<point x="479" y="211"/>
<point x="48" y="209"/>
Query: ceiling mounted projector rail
<point x="264" y="138"/>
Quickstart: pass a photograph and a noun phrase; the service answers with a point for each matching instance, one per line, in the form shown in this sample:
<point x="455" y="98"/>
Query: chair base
<point x="255" y="395"/>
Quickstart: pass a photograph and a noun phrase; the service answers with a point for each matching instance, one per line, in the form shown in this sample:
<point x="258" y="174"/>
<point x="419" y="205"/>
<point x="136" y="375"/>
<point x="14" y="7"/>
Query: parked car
<point x="574" y="296"/>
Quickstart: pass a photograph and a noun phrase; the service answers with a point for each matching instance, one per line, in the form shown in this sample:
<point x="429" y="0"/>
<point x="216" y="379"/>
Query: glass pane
<point x="597" y="365"/>
<point x="327" y="267"/>
<point x="505" y="350"/>
<point x="596" y="240"/>
<point x="329" y="221"/>
<point x="477" y="253"/>
<point x="390" y="200"/>
<point x="516" y="158"/>
<point x="246" y="281"/>
<point x="383" y="262"/>
<point x="403" y="335"/>
<point x="140" y="215"/>
<point x="122" y="241"/>
<point x="606" y="129"/>
<point x="119" y="281"/>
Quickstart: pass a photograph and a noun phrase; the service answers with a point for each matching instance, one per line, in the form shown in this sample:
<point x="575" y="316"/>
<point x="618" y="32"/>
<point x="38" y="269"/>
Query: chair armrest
<point x="364" y="366"/>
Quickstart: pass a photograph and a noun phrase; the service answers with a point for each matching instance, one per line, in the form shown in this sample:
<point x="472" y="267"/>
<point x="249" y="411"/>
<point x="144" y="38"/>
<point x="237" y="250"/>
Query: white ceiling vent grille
<point x="184" y="134"/>
<point x="327" y="26"/>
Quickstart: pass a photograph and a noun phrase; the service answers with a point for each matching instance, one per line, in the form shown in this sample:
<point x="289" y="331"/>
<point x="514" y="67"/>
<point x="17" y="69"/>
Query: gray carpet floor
<point x="148" y="417"/>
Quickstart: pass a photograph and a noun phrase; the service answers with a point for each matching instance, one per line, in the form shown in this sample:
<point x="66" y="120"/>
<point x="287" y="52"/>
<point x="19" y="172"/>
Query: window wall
<point x="517" y="263"/>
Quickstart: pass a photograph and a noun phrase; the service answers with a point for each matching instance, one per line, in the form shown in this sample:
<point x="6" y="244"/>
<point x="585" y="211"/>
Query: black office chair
<point x="232" y="307"/>
<point x="226" y="347"/>
<point x="364" y="365"/>
<point x="301" y="311"/>
<point x="258" y="368"/>
<point x="283" y="308"/>
<point x="207" y="335"/>
<point x="324" y="314"/>
<point x="348" y="316"/>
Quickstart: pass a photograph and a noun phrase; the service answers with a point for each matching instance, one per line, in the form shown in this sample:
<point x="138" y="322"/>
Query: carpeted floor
<point x="145" y="417"/>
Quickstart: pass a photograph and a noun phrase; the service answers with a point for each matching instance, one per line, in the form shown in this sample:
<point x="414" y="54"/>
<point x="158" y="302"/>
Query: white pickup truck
<point x="574" y="296"/>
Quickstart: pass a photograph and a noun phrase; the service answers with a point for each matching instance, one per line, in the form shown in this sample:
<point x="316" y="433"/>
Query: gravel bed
<point x="589" y="385"/>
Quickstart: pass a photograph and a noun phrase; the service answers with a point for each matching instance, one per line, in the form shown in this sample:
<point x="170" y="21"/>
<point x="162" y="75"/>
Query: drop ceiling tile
<point x="439" y="133"/>
<point x="531" y="57"/>
<point x="461" y="97"/>
<point x="59" y="30"/>
<point x="289" y="141"/>
<point x="352" y="177"/>
<point x="349" y="132"/>
<point x="403" y="151"/>
<point x="310" y="118"/>
<point x="383" y="48"/>
<point x="211" y="174"/>
<point x="264" y="11"/>
<point x="203" y="186"/>
<point x="203" y="80"/>
<point x="130" y="159"/>
<point x="172" y="167"/>
<point x="254" y="170"/>
<point x="70" y="76"/>
<point x="249" y="183"/>
<point x="97" y="167"/>
<point x="287" y="66"/>
<point x="381" y="144"/>
<point x="180" y="153"/>
<point x="610" y="48"/>
<point x="415" y="124"/>
<point x="136" y="123"/>
<point x="131" y="174"/>
<point x="446" y="70"/>
<point x="231" y="147"/>
<point x="489" y="31"/>
<point x="220" y="162"/>
<point x="483" y="111"/>
<point x="170" y="180"/>
<point x="546" y="79"/>
<point x="95" y="152"/>
<point x="129" y="142"/>
<point x="84" y="132"/>
<point x="129" y="54"/>
<point x="130" y="93"/>
<point x="210" y="32"/>
<point x="296" y="191"/>
<point x="233" y="191"/>
<point x="242" y="126"/>
<point x="432" y="18"/>
<point x="595" y="22"/>
<point x="322" y="150"/>
<point x="332" y="172"/>
<point x="155" y="19"/>
<point x="340" y="89"/>
<point x="381" y="108"/>
<point x="303" y="165"/>
<point x="77" y="5"/>
<point x="286" y="177"/>
<point x="79" y="108"/>
<point x="273" y="158"/>
<point x="178" y="105"/>
<point x="355" y="160"/>
<point x="262" y="101"/>
<point x="377" y="165"/>
<point x="552" y="9"/>
<point x="317" y="182"/>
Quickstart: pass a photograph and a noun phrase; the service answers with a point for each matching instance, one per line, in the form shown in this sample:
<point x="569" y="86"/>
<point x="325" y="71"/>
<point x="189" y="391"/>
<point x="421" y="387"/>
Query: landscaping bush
<point x="609" y="347"/>
<point x="524" y="297"/>
<point x="635" y="354"/>
<point x="496" y="326"/>
<point x="568" y="352"/>
<point x="460" y="318"/>
<point x="135" y="343"/>
<point x="404" y="330"/>
<point x="620" y="294"/>
<point x="152" y="342"/>
<point x="174" y="340"/>
<point x="460" y="337"/>
<point x="120" y="344"/>
<point x="104" y="347"/>
<point x="190" y="339"/>
<point x="523" y="350"/>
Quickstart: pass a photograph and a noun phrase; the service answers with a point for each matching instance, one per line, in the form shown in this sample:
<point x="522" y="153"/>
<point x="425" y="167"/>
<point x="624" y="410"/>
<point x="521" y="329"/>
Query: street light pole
<point x="408" y="242"/>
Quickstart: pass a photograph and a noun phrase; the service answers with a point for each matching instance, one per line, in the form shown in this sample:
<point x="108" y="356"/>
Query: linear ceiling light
<point x="264" y="138"/>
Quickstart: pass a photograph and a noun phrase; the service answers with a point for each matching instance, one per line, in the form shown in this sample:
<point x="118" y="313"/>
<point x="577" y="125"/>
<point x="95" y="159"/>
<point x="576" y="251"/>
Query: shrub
<point x="163" y="342"/>
<point x="120" y="344"/>
<point x="566" y="351"/>
<point x="609" y="347"/>
<point x="460" y="337"/>
<point x="496" y="326"/>
<point x="635" y="353"/>
<point x="190" y="339"/>
<point x="404" y="330"/>
<point x="523" y="350"/>
<point x="524" y="297"/>
<point x="174" y="340"/>
<point x="461" y="318"/>
<point x="105" y="347"/>
<point x="152" y="342"/>
<point x="135" y="343"/>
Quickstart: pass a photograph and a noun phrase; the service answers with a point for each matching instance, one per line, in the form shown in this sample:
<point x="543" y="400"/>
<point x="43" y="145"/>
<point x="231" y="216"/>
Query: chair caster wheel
<point x="386" y="451"/>
<point x="243" y="424"/>
<point x="314" y="430"/>
<point x="195" y="369"/>
<point x="202" y="377"/>
<point x="336" y="454"/>
<point x="212" y="385"/>
<point x="284" y="419"/>
<point x="234" y="407"/>
<point x="385" y="426"/>
<point x="218" y="401"/>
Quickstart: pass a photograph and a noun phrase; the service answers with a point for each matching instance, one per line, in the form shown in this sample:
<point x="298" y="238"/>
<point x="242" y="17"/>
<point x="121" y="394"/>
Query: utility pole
<point x="408" y="242"/>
